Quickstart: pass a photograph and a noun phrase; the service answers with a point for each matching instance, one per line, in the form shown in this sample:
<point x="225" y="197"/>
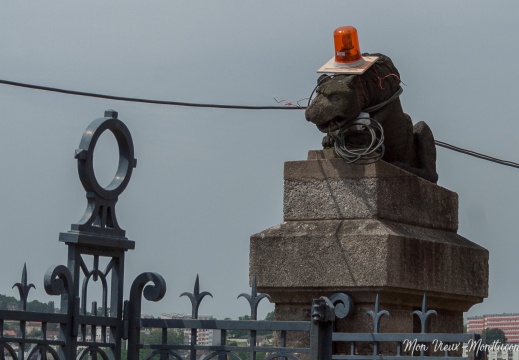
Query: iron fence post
<point x="323" y="319"/>
<point x="97" y="234"/>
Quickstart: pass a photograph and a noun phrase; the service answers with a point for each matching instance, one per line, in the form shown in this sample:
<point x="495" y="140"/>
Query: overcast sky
<point x="208" y="179"/>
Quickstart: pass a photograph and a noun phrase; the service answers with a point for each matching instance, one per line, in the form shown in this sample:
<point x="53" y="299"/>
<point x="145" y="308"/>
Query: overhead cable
<point x="146" y="101"/>
<point x="475" y="154"/>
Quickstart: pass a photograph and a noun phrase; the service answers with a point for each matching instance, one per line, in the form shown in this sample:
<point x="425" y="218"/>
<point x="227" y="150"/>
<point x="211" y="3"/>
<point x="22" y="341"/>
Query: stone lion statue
<point x="341" y="98"/>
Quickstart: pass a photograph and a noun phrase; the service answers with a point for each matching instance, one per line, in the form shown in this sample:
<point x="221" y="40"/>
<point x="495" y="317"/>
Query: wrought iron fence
<point x="113" y="329"/>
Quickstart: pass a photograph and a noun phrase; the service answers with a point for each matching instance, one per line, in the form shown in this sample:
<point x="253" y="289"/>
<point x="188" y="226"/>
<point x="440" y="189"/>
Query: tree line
<point x="11" y="303"/>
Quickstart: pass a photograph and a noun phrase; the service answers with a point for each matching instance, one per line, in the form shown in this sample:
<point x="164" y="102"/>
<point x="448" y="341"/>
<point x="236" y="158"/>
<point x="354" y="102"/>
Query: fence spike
<point x="377" y="315"/>
<point x="254" y="298"/>
<point x="23" y="288"/>
<point x="424" y="314"/>
<point x="196" y="298"/>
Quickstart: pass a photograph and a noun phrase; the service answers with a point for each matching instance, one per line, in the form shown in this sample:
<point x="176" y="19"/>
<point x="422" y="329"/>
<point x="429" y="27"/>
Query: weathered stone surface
<point x="368" y="230"/>
<point x="334" y="189"/>
<point x="343" y="255"/>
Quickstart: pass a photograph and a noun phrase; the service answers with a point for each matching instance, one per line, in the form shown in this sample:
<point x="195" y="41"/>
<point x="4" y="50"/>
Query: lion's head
<point x="341" y="98"/>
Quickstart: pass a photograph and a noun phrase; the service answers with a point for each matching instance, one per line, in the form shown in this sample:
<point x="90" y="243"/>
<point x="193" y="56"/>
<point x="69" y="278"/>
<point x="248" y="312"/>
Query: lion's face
<point x="336" y="103"/>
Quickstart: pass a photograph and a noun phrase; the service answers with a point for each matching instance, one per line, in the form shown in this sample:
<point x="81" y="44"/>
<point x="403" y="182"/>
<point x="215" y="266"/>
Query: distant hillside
<point x="11" y="303"/>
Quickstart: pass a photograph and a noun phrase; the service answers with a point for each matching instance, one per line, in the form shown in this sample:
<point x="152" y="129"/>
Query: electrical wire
<point x="146" y="101"/>
<point x="244" y="107"/>
<point x="360" y="141"/>
<point x="475" y="154"/>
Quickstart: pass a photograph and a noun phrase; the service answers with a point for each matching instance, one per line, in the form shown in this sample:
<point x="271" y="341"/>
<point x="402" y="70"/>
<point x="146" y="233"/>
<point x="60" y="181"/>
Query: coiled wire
<point x="360" y="141"/>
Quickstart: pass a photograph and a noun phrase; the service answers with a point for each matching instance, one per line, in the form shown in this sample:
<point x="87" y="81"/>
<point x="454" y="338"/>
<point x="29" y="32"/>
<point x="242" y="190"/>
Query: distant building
<point x="205" y="337"/>
<point x="499" y="354"/>
<point x="9" y="333"/>
<point x="509" y="323"/>
<point x="506" y="352"/>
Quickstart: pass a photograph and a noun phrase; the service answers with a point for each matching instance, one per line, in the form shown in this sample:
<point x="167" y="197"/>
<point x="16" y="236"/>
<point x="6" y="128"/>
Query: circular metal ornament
<point x="85" y="156"/>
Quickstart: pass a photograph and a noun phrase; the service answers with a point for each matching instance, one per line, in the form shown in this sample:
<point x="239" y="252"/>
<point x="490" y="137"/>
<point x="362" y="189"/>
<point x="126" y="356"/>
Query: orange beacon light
<point x="347" y="49"/>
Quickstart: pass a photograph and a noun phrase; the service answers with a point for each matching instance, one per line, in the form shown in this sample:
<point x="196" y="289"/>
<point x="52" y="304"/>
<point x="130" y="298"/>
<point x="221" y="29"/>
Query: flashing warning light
<point x="347" y="49"/>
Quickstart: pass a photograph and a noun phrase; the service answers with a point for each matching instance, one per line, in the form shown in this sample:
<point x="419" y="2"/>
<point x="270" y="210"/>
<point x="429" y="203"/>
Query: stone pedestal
<point x="367" y="230"/>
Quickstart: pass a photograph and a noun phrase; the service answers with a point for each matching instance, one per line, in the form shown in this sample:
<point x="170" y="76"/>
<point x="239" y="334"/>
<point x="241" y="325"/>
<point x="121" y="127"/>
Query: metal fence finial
<point x="377" y="315"/>
<point x="254" y="298"/>
<point x="100" y="215"/>
<point x="424" y="314"/>
<point x="24" y="288"/>
<point x="196" y="298"/>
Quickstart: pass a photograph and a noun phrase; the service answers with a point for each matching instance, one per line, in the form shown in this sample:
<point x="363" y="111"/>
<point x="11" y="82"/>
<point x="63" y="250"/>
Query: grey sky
<point x="207" y="179"/>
